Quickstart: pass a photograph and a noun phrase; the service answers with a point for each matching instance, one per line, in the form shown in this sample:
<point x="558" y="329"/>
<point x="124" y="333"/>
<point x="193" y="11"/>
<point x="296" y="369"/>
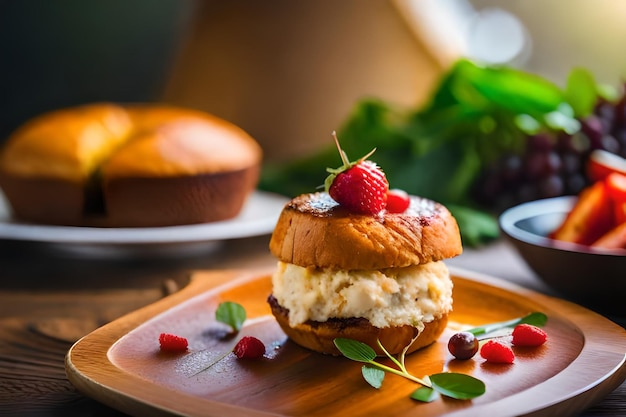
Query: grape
<point x="606" y="111"/>
<point x="540" y="142"/>
<point x="551" y="186"/>
<point x="575" y="183"/>
<point x="571" y="163"/>
<point x="512" y="167"/>
<point x="609" y="143"/>
<point x="592" y="127"/>
<point x="463" y="345"/>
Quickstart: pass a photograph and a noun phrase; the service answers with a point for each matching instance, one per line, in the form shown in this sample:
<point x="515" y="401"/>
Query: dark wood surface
<point x="50" y="297"/>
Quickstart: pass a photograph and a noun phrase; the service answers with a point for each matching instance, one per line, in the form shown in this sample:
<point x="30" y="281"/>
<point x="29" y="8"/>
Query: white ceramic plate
<point x="258" y="217"/>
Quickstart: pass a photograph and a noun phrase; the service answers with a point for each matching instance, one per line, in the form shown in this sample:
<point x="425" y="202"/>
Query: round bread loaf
<point x="128" y="166"/>
<point x="315" y="231"/>
<point x="320" y="336"/>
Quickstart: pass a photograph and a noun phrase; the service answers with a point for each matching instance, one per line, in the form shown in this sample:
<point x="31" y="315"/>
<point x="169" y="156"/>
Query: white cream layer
<point x="390" y="297"/>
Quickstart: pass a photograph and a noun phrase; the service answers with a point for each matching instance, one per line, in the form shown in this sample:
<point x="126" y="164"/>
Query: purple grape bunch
<point x="553" y="163"/>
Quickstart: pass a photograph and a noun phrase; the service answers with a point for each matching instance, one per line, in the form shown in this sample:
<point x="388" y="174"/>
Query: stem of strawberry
<point x="344" y="157"/>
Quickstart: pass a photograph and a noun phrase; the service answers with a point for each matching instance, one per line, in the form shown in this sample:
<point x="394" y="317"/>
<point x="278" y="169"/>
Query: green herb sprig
<point x="536" y="319"/>
<point x="449" y="384"/>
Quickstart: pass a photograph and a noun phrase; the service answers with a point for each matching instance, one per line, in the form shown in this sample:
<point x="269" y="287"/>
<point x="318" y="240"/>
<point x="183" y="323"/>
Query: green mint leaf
<point x="355" y="350"/>
<point x="373" y="376"/>
<point x="425" y="394"/>
<point x="232" y="314"/>
<point x="537" y="319"/>
<point x="458" y="386"/>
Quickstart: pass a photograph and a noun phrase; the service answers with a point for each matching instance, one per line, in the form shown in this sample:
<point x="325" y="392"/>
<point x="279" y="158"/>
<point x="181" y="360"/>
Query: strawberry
<point x="172" y="343"/>
<point x="249" y="347"/>
<point x="497" y="352"/>
<point x="528" y="335"/>
<point x="397" y="201"/>
<point x="359" y="186"/>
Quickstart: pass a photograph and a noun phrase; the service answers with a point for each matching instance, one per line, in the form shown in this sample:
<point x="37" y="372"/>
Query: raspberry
<point x="528" y="335"/>
<point x="397" y="201"/>
<point x="497" y="352"/>
<point x="249" y="347"/>
<point x="172" y="343"/>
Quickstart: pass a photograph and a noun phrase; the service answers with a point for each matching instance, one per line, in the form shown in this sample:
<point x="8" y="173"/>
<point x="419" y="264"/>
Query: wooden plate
<point x="120" y="364"/>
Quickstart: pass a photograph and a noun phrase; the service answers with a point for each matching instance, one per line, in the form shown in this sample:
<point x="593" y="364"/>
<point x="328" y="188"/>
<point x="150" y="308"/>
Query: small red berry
<point x="397" y="201"/>
<point x="249" y="347"/>
<point x="172" y="343"/>
<point x="497" y="352"/>
<point x="528" y="335"/>
<point x="359" y="186"/>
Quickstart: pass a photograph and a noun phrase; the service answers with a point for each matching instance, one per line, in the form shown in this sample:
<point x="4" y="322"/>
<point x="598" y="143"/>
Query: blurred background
<point x="287" y="72"/>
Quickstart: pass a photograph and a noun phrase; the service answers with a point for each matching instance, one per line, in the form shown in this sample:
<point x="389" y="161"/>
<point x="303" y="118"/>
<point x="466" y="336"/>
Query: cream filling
<point x="391" y="297"/>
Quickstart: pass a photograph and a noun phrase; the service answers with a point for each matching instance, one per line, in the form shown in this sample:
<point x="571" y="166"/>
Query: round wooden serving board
<point x="121" y="365"/>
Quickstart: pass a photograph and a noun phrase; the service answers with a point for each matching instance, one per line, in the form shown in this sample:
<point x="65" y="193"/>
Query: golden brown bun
<point x="314" y="231"/>
<point x="320" y="336"/>
<point x="141" y="165"/>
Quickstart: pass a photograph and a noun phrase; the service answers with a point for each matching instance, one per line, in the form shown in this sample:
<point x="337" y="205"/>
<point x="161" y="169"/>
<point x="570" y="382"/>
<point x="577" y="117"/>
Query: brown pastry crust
<point x="320" y="336"/>
<point x="151" y="202"/>
<point x="33" y="199"/>
<point x="314" y="231"/>
<point x="133" y="166"/>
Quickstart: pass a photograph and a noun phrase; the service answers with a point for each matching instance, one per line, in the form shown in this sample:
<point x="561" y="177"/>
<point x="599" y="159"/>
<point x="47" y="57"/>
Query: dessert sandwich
<point x="363" y="262"/>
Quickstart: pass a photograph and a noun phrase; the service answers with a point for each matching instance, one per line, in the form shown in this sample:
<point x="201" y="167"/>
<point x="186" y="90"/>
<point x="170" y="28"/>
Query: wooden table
<point x="49" y="298"/>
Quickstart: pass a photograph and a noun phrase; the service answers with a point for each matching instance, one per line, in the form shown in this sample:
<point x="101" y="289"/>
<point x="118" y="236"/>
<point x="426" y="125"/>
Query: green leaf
<point x="536" y="318"/>
<point x="355" y="350"/>
<point x="476" y="226"/>
<point x="581" y="91"/>
<point x="425" y="394"/>
<point x="232" y="314"/>
<point x="373" y="376"/>
<point x="458" y="386"/>
<point x="513" y="89"/>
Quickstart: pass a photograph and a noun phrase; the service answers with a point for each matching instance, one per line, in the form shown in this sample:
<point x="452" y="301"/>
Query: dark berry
<point x="463" y="345"/>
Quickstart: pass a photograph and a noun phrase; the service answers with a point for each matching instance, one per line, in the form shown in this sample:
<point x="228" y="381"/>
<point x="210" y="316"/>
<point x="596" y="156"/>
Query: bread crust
<point x="314" y="231"/>
<point x="320" y="336"/>
<point x="155" y="202"/>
